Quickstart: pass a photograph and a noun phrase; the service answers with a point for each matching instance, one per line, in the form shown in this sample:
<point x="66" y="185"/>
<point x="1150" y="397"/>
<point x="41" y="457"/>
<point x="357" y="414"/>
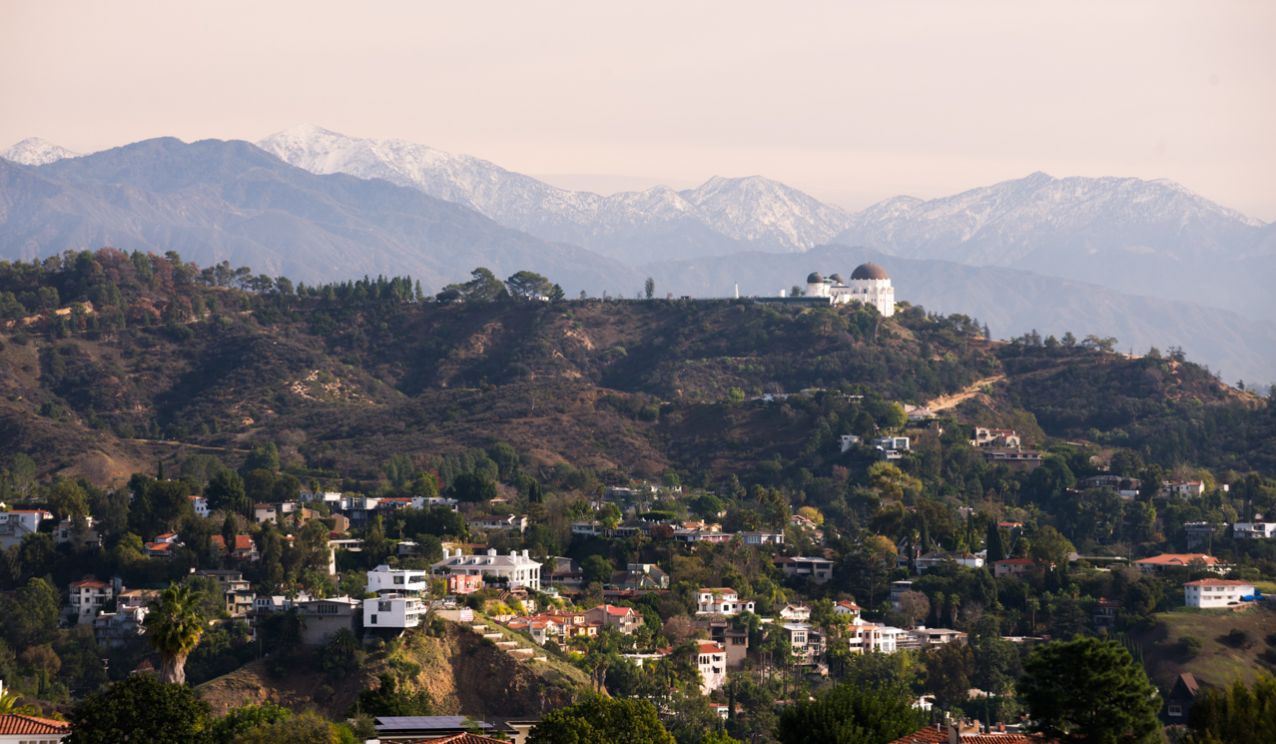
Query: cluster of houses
<point x="696" y="531"/>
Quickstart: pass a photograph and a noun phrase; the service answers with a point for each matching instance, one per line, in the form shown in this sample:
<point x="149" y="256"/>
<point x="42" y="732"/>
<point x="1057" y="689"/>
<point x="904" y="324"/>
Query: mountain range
<point x="213" y="201"/>
<point x="1146" y="261"/>
<point x="722" y="216"/>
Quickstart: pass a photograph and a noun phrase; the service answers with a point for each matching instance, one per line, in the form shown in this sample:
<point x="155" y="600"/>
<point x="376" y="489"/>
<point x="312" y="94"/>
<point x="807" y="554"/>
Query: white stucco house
<point x="1208" y="593"/>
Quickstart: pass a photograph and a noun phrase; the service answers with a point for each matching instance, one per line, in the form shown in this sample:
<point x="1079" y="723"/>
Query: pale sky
<point x="850" y="101"/>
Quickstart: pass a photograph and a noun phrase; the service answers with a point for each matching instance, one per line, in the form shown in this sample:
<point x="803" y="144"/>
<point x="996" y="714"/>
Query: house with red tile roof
<point x="16" y="728"/>
<point x="969" y="733"/>
<point x="711" y="660"/>
<point x="88" y="597"/>
<point x="624" y="619"/>
<point x="245" y="547"/>
<point x="1159" y="563"/>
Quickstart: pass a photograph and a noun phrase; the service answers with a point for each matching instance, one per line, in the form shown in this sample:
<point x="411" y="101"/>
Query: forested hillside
<point x="112" y="359"/>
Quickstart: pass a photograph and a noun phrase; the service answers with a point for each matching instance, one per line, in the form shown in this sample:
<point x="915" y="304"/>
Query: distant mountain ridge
<point x="1143" y="237"/>
<point x="36" y="151"/>
<point x="215" y="200"/>
<point x="721" y="216"/>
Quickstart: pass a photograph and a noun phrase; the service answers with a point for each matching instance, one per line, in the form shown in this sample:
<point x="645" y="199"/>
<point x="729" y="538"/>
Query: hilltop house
<point x="513" y="570"/>
<point x="1164" y="561"/>
<point x="845" y="607"/>
<point x="162" y="546"/>
<point x="1207" y="593"/>
<point x="1015" y="459"/>
<point x="1257" y="530"/>
<point x="1126" y="488"/>
<point x="81" y="533"/>
<point x="986" y="437"/>
<point x="868" y="637"/>
<point x="795" y="613"/>
<point x="383" y="579"/>
<point x="508" y="523"/>
<point x="322" y="618"/>
<point x="711" y="661"/>
<point x="20" y="728"/>
<point x="245" y="547"/>
<point x="88" y="597"/>
<point x="624" y="619"/>
<point x="931" y="560"/>
<point x="819" y="569"/>
<point x="18" y="523"/>
<point x="393" y="611"/>
<point x="720" y="601"/>
<point x="1183" y="489"/>
<point x="1181" y="698"/>
<point x="734" y="640"/>
<point x="640" y="576"/>
<point x="1015" y="566"/>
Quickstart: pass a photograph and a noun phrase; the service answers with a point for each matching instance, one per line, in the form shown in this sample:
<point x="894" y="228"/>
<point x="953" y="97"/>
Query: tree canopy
<point x="140" y="708"/>
<point x="1090" y="691"/>
<point x="599" y="719"/>
<point x="850" y="714"/>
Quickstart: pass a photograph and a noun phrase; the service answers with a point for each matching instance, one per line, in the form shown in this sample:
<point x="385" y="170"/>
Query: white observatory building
<point x="869" y="284"/>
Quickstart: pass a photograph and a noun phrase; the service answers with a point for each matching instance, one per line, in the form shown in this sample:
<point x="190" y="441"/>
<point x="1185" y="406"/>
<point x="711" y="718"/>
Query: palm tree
<point x="174" y="625"/>
<point x="8" y="701"/>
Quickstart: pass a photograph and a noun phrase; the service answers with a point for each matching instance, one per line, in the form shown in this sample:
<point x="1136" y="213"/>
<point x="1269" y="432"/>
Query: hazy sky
<point x="851" y="101"/>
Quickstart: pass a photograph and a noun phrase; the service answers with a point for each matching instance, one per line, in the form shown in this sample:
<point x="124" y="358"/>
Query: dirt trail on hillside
<point x="952" y="400"/>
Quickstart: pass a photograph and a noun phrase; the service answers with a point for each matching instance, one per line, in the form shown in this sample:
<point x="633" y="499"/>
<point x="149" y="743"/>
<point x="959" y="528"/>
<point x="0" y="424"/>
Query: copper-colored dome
<point x="869" y="271"/>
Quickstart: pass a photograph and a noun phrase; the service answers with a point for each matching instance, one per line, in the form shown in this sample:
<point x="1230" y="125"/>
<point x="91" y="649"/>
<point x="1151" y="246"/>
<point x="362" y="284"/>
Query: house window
<point x="1175" y="710"/>
<point x="374" y="620"/>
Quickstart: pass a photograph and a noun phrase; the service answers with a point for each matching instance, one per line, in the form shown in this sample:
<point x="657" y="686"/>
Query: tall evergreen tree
<point x="1089" y="691"/>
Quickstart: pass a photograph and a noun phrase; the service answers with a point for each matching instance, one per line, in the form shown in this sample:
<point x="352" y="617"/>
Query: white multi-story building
<point x="18" y="523"/>
<point x="868" y="638"/>
<point x="507" y="523"/>
<point x="513" y="570"/>
<point x="88" y="597"/>
<point x="720" y="601"/>
<point x="869" y="284"/>
<point x="392" y="611"/>
<point x="711" y="660"/>
<point x="1206" y="593"/>
<point x="1254" y="530"/>
<point x="200" y="505"/>
<point x="820" y="569"/>
<point x="384" y="579"/>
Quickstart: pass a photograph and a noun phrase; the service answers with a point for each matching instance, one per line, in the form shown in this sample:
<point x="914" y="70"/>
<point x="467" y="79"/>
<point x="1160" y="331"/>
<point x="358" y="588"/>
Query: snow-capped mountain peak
<point x="36" y="151"/>
<point x="720" y="214"/>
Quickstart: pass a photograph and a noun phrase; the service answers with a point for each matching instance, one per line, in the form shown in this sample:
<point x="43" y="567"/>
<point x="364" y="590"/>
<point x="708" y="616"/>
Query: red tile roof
<point x="1218" y="582"/>
<point x="1177" y="559"/>
<point x="1015" y="562"/>
<point x="710" y="648"/>
<point x="16" y="723"/>
<point x="935" y="735"/>
<point x="459" y="739"/>
<point x="618" y="611"/>
<point x="90" y="583"/>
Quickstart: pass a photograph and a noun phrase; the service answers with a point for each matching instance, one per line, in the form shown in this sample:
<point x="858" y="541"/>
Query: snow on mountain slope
<point x="761" y="210"/>
<point x="35" y="151"/>
<point x="1143" y="237"/>
<point x="724" y="214"/>
<point x="1006" y="222"/>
